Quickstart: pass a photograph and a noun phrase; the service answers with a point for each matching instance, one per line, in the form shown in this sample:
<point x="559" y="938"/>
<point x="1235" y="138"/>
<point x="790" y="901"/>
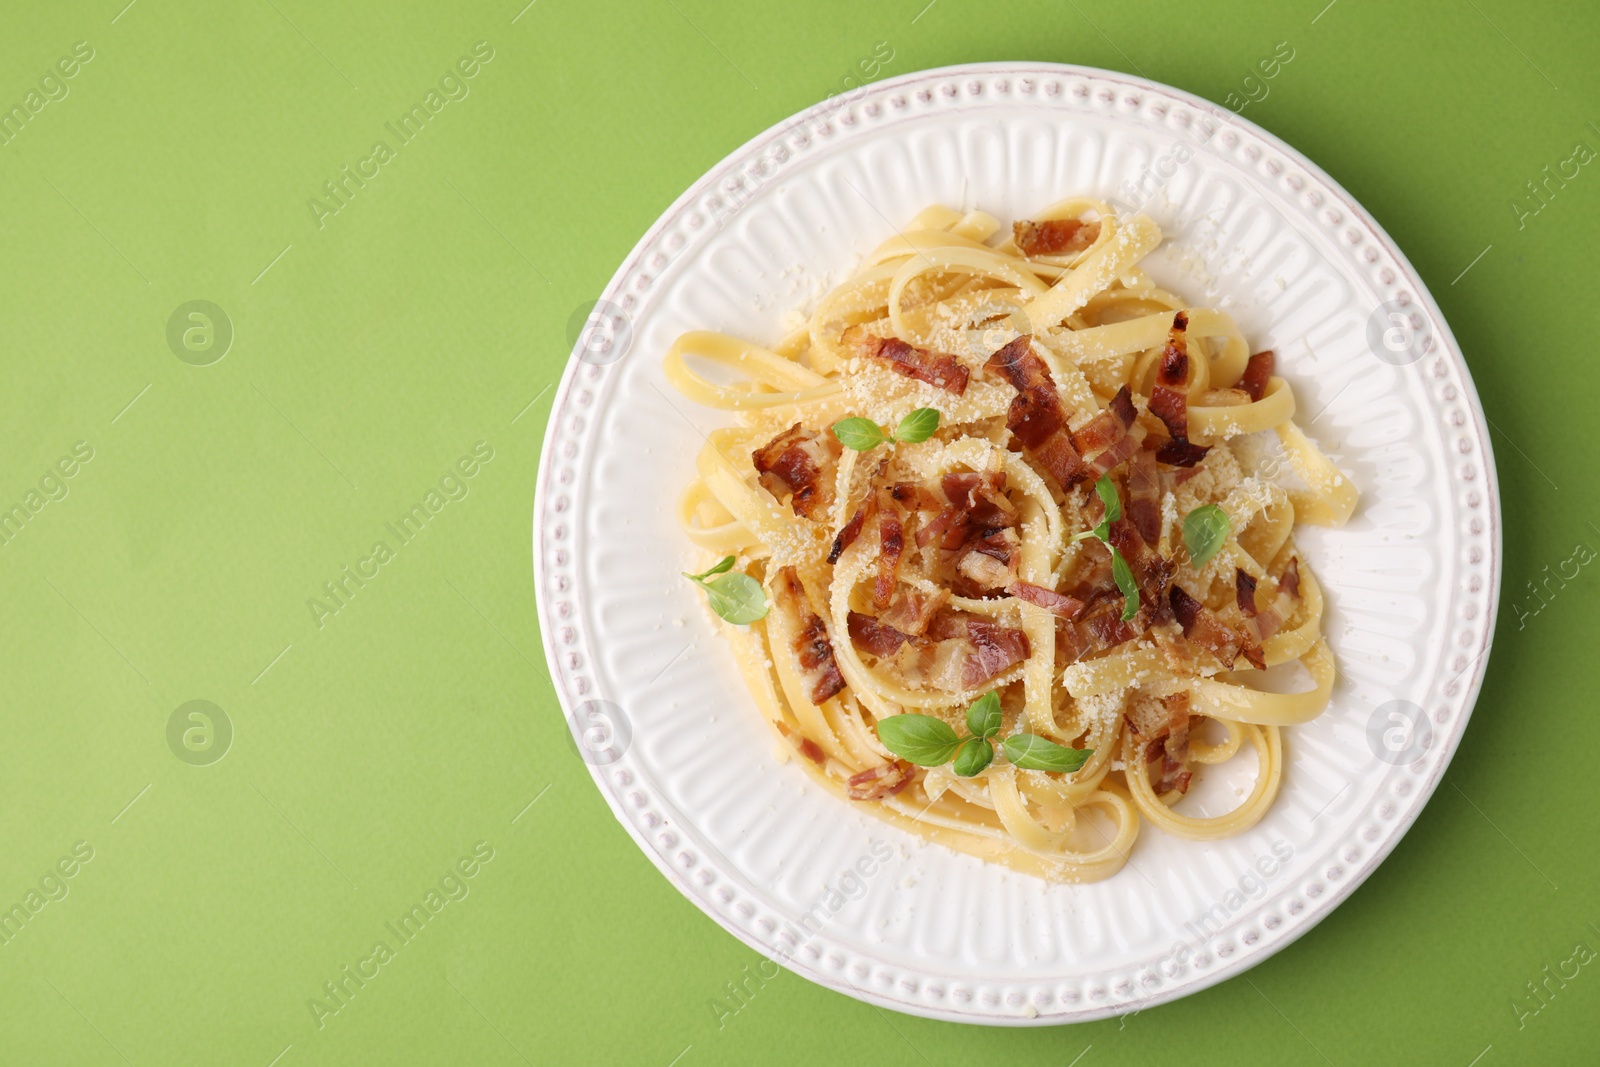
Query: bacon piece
<point x="1169" y="400"/>
<point x="812" y="647"/>
<point x="816" y="661"/>
<point x="1151" y="572"/>
<point x="1171" y="406"/>
<point x="1173" y="369"/>
<point x="1175" y="773"/>
<point x="1058" y="604"/>
<point x="1101" y="626"/>
<point x="1245" y="590"/>
<point x="1122" y="407"/>
<point x="937" y="369"/>
<point x="1262" y="624"/>
<point x="1108" y="427"/>
<point x="1290" y="582"/>
<point x="949" y="528"/>
<point x="1063" y="461"/>
<point x="991" y="562"/>
<point x="875" y="637"/>
<point x="1123" y="449"/>
<point x="1177" y="453"/>
<point x="1070" y="645"/>
<point x="913" y="610"/>
<point x="881" y="781"/>
<point x="801" y="743"/>
<point x="1202" y="627"/>
<point x="852" y="529"/>
<point x="1036" y="417"/>
<point x="1256" y="374"/>
<point x="914" y="497"/>
<point x="891" y="545"/>
<point x="982" y="496"/>
<point x="1144" y="496"/>
<point x="998" y="647"/>
<point x="1036" y="411"/>
<point x="792" y="463"/>
<point x="1054" y="237"/>
<point x="1176" y="651"/>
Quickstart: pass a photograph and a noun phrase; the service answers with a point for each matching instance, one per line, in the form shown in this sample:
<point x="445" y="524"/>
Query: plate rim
<point x="1447" y="346"/>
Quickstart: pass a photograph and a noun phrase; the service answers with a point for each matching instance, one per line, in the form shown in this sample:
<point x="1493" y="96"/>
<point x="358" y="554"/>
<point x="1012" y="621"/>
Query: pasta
<point x="1099" y="531"/>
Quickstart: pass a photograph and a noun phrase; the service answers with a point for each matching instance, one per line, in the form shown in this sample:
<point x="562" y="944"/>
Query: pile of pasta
<point x="917" y="577"/>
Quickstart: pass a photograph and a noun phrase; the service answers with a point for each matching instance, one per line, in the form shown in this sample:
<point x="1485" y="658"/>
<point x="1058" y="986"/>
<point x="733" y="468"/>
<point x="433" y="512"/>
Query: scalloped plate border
<point x="1070" y="88"/>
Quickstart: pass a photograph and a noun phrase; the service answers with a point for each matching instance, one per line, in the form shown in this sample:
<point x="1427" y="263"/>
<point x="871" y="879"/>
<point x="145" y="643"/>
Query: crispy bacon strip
<point x="801" y="743"/>
<point x="1263" y="623"/>
<point x="1054" y="237"/>
<point x="949" y="528"/>
<point x="982" y="495"/>
<point x="914" y="497"/>
<point x="1169" y="400"/>
<point x="1171" y="406"/>
<point x="1144" y="496"/>
<point x="1101" y="626"/>
<point x="1245" y="590"/>
<point x="891" y="545"/>
<point x="991" y="561"/>
<point x="1290" y="582"/>
<point x="881" y="781"/>
<point x="1058" y="604"/>
<point x="1173" y="370"/>
<point x="811" y="646"/>
<point x="1122" y="450"/>
<point x="1151" y="571"/>
<point x="1174" y="746"/>
<point x="816" y="661"/>
<point x="1108" y="427"/>
<point x="852" y="528"/>
<point x="937" y="369"/>
<point x="998" y="647"/>
<point x="1178" y="453"/>
<point x="1036" y="417"/>
<point x="1257" y="372"/>
<point x="1202" y="627"/>
<point x="792" y="463"/>
<point x="875" y="637"/>
<point x="913" y="610"/>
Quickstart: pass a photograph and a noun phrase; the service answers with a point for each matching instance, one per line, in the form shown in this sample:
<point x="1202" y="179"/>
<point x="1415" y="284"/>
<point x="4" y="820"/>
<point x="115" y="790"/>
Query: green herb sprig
<point x="1121" y="573"/>
<point x="1205" y="531"/>
<point x="930" y="742"/>
<point x="861" y="435"/>
<point x="734" y="596"/>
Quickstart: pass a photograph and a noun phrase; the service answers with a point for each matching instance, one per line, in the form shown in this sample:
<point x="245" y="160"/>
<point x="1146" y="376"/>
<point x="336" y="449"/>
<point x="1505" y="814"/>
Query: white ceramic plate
<point x="676" y="745"/>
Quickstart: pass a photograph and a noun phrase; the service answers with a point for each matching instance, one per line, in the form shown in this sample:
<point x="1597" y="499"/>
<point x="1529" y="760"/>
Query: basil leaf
<point x="736" y="597"/>
<point x="976" y="754"/>
<point x="1108" y="496"/>
<point x="1205" y="529"/>
<point x="1033" y="753"/>
<point x="922" y="739"/>
<point x="859" y="434"/>
<point x="1122" y="574"/>
<point x="983" y="718"/>
<point x="724" y="564"/>
<point x="917" y="426"/>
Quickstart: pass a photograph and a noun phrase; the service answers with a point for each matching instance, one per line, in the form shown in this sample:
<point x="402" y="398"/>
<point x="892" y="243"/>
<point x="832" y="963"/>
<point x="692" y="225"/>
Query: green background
<point x="372" y="752"/>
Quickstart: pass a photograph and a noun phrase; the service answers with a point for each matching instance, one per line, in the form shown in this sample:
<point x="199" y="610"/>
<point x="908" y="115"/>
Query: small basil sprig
<point x="1205" y="529"/>
<point x="1121" y="573"/>
<point x="930" y="742"/>
<point x="736" y="597"/>
<point x="861" y="434"/>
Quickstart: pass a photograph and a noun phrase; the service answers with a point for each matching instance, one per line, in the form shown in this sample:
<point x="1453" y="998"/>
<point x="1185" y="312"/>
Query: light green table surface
<point x="376" y="747"/>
